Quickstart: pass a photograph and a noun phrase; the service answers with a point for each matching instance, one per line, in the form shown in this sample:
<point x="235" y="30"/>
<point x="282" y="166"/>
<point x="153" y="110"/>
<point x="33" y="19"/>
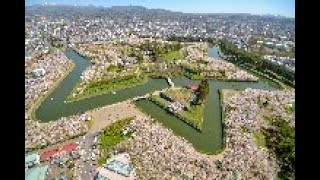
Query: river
<point x="209" y="140"/>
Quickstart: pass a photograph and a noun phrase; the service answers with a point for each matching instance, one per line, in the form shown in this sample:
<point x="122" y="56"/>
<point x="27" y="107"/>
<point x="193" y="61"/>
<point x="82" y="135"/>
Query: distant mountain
<point x="128" y="8"/>
<point x="90" y="10"/>
<point x="62" y="10"/>
<point x="71" y="10"/>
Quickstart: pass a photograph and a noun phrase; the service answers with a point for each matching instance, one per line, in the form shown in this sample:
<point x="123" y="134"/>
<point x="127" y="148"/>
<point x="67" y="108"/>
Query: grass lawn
<point x="159" y="101"/>
<point x="111" y="136"/>
<point x="113" y="84"/>
<point x="181" y="95"/>
<point x="293" y="107"/>
<point x="193" y="116"/>
<point x="106" y="86"/>
<point x="173" y="55"/>
<point x="194" y="76"/>
<point x="114" y="68"/>
<point x="260" y="139"/>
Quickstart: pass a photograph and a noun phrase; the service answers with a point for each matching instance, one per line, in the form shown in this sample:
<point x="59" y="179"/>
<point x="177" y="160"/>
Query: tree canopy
<point x="280" y="138"/>
<point x="257" y="62"/>
<point x="203" y="91"/>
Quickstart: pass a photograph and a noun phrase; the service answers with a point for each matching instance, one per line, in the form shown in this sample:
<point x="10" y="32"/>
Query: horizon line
<point x="83" y="5"/>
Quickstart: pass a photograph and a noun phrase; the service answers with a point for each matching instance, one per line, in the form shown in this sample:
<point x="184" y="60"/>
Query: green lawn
<point x="159" y="101"/>
<point x="193" y="116"/>
<point x="111" y="136"/>
<point x="109" y="85"/>
<point x="194" y="76"/>
<point x="198" y="73"/>
<point x="114" y="68"/>
<point x="291" y="109"/>
<point x="260" y="139"/>
<point x="181" y="95"/>
<point x="173" y="55"/>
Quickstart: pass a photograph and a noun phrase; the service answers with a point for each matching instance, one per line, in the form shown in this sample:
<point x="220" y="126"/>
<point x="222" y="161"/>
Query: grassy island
<point x="96" y="88"/>
<point x="191" y="113"/>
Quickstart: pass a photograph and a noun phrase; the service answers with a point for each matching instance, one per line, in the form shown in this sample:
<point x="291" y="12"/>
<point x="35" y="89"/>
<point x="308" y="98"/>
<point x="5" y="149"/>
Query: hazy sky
<point x="275" y="7"/>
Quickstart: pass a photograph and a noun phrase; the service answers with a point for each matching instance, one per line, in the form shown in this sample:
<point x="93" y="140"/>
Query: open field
<point x="172" y="56"/>
<point x="109" y="114"/>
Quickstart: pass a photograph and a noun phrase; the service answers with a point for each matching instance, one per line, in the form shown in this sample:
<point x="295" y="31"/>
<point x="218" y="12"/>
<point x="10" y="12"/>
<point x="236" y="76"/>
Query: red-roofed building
<point x="53" y="152"/>
<point x="69" y="147"/>
<point x="48" y="154"/>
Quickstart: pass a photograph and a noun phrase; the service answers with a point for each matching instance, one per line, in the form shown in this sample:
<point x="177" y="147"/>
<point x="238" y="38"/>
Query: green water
<point x="56" y="108"/>
<point x="209" y="140"/>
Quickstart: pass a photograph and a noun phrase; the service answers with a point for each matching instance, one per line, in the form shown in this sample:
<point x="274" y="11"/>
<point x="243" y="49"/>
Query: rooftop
<point x="31" y="158"/>
<point x="50" y="153"/>
<point x="118" y="167"/>
<point x="38" y="173"/>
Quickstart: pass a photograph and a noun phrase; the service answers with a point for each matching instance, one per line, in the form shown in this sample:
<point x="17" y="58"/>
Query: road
<point x="86" y="165"/>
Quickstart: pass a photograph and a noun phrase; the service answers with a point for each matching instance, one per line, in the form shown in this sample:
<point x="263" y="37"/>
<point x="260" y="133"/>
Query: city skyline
<point x="261" y="7"/>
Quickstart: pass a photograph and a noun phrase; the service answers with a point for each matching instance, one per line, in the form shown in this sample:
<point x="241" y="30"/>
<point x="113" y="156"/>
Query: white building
<point x="117" y="168"/>
<point x="39" y="72"/>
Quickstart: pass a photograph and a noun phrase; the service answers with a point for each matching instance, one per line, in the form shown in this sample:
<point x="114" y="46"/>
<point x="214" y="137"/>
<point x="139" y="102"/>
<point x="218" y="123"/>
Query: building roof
<point x="69" y="147"/>
<point x="118" y="167"/>
<point x="50" y="153"/>
<point x="37" y="173"/>
<point x="105" y="173"/>
<point x="31" y="158"/>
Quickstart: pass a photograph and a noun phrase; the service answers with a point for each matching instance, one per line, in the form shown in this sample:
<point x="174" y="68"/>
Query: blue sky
<point x="276" y="7"/>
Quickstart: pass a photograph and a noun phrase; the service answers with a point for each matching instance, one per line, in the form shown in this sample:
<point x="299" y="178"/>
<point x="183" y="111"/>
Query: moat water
<point x="209" y="140"/>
